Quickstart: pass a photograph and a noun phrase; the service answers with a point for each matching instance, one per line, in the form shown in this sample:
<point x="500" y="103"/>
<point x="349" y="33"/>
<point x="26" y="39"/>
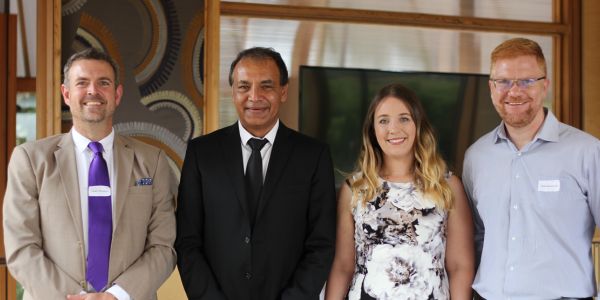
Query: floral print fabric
<point x="400" y="241"/>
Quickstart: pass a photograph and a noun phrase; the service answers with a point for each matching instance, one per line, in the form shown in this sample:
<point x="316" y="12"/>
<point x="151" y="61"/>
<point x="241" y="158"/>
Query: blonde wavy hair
<point x="429" y="167"/>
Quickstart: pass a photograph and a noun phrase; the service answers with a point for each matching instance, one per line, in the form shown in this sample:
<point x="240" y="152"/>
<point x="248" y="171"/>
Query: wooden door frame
<point x="8" y="114"/>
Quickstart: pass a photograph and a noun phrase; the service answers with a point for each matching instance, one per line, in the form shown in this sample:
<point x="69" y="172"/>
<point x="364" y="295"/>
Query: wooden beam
<point x="360" y="16"/>
<point x="567" y="102"/>
<point x="8" y="114"/>
<point x="25" y="84"/>
<point x="8" y="92"/>
<point x="48" y="67"/>
<point x="211" y="65"/>
<point x="591" y="73"/>
<point x="3" y="283"/>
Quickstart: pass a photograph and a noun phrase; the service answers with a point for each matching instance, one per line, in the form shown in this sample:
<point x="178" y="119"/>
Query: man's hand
<point x="92" y="296"/>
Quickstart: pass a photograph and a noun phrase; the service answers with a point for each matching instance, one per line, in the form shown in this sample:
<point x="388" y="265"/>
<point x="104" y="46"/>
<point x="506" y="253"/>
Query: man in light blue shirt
<point x="534" y="187"/>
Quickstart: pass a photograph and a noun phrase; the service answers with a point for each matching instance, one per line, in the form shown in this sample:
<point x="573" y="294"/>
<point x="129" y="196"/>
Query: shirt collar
<point x="81" y="142"/>
<point x="549" y="131"/>
<point x="270" y="136"/>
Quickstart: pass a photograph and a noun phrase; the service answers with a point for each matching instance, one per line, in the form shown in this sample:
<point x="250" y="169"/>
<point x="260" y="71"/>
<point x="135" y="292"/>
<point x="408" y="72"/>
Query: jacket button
<point x="247" y="240"/>
<point x="247" y="275"/>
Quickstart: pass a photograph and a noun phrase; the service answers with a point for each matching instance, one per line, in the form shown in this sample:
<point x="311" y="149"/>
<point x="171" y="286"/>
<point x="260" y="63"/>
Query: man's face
<point x="257" y="94"/>
<point x="518" y="106"/>
<point x="90" y="92"/>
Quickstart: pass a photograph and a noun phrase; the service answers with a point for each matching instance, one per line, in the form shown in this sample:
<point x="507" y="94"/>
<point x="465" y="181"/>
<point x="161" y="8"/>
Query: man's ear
<point x="284" y="92"/>
<point x="65" y="93"/>
<point x="118" y="94"/>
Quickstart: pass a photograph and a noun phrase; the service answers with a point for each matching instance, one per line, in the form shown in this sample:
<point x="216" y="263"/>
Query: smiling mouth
<point x="256" y="109"/>
<point x="396" y="141"/>
<point x="514" y="103"/>
<point x="93" y="103"/>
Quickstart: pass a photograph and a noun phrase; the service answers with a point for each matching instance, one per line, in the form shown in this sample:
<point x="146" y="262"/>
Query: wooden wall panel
<point x="48" y="67"/>
<point x="212" y="15"/>
<point x="3" y="289"/>
<point x="8" y="97"/>
<point x="591" y="70"/>
<point x="8" y="84"/>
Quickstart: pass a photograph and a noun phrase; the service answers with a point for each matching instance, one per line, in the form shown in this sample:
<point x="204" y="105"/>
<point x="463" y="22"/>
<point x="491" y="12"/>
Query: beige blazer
<point x="43" y="228"/>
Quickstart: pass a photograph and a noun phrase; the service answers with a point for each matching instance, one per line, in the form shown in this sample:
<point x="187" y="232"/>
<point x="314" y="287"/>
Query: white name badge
<point x="99" y="191"/>
<point x="549" y="185"/>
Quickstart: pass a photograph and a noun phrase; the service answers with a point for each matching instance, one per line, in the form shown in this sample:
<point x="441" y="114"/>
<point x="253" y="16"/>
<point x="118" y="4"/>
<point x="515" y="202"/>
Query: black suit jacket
<point x="288" y="253"/>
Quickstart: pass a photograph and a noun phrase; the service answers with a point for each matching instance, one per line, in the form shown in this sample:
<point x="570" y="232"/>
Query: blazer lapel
<point x="123" y="164"/>
<point x="67" y="168"/>
<point x="233" y="162"/>
<point x="280" y="154"/>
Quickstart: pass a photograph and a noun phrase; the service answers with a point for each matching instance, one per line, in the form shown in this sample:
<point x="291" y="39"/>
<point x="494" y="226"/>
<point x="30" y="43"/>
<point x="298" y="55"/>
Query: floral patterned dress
<point x="400" y="241"/>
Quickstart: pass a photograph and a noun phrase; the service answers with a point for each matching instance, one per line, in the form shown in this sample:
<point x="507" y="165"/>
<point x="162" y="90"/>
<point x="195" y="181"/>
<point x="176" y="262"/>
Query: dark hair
<point x="260" y="53"/>
<point x="90" y="53"/>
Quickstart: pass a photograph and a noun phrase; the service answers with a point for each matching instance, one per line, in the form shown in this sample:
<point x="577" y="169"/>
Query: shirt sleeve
<point x="593" y="180"/>
<point x="118" y="292"/>
<point x="479" y="229"/>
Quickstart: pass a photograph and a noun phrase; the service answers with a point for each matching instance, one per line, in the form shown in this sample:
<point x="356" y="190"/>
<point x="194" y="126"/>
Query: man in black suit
<point x="238" y="238"/>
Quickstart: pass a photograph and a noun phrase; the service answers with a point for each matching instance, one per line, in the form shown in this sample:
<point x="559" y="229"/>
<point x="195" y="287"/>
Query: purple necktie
<point x="99" y="220"/>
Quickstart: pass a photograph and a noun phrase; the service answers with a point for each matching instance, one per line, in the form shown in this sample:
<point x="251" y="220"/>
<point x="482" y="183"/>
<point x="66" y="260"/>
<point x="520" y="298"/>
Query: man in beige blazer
<point x="46" y="202"/>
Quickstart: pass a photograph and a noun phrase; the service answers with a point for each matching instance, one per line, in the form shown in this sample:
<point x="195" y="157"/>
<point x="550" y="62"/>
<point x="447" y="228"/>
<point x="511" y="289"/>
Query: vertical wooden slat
<point x="3" y="115"/>
<point x="11" y="287"/>
<point x="212" y="15"/>
<point x="567" y="96"/>
<point x="8" y="93"/>
<point x="591" y="60"/>
<point x="48" y="67"/>
<point x="3" y="275"/>
<point x="8" y="87"/>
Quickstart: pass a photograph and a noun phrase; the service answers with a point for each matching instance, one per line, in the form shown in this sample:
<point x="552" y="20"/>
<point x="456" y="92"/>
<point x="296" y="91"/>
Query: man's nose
<point x="92" y="89"/>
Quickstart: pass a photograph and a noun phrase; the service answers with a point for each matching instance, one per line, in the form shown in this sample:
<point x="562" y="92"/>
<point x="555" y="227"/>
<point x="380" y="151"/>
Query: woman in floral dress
<point x="404" y="225"/>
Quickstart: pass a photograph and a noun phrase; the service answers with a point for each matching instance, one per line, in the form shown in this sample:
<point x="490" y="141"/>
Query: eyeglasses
<point x="504" y="85"/>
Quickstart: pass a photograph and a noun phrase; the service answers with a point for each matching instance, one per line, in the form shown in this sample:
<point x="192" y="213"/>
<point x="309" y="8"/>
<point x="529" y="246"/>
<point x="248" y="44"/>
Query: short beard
<point x="517" y="121"/>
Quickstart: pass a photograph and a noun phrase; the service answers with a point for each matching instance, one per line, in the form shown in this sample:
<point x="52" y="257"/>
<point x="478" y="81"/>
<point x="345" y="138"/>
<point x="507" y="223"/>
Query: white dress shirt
<point x="265" y="152"/>
<point x="84" y="158"/>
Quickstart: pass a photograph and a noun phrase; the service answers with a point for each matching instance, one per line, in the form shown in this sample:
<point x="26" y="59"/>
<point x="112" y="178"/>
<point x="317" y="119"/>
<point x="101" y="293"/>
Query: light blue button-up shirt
<point x="535" y="212"/>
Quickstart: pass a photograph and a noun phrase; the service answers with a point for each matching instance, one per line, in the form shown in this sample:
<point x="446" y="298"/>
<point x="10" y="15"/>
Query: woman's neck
<point x="398" y="170"/>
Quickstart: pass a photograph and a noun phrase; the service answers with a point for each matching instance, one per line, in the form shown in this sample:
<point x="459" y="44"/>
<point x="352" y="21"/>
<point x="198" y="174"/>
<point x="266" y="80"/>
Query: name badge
<point x="549" y="185"/>
<point x="99" y="191"/>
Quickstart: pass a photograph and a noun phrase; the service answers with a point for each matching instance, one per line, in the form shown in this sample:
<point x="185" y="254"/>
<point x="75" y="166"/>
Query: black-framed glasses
<point x="505" y="84"/>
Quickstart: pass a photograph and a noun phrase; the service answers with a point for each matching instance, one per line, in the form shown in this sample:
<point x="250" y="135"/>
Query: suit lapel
<point x="123" y="164"/>
<point x="67" y="168"/>
<point x="280" y="154"/>
<point x="233" y="162"/>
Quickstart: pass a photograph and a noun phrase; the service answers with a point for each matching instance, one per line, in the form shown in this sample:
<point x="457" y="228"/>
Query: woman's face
<point x="395" y="128"/>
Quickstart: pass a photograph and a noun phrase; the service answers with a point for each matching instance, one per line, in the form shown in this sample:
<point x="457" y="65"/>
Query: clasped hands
<point x="92" y="296"/>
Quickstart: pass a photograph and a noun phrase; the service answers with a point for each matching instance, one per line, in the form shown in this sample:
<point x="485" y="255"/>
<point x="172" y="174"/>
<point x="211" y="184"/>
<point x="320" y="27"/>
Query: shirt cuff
<point x="118" y="292"/>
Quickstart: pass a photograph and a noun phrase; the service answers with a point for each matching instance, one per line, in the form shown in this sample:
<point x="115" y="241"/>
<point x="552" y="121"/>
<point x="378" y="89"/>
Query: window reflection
<point x="366" y="46"/>
<point x="25" y="117"/>
<point x="531" y="10"/>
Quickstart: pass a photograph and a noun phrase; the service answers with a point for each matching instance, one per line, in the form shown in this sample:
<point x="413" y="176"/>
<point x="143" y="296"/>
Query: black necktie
<point x="254" y="176"/>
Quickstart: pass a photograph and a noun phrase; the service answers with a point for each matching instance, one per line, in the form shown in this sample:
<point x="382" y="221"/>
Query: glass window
<point x="382" y="47"/>
<point x="25" y="117"/>
<point x="531" y="10"/>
